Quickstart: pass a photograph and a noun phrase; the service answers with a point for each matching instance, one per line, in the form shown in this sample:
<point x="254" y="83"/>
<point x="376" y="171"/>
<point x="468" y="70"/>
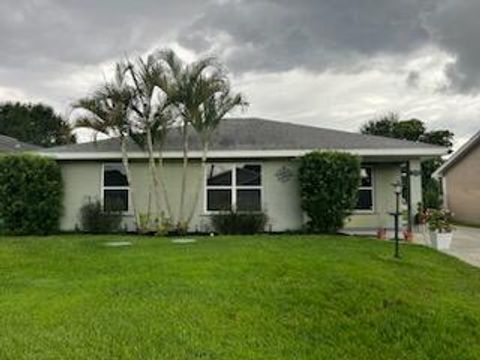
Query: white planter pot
<point x="441" y="241"/>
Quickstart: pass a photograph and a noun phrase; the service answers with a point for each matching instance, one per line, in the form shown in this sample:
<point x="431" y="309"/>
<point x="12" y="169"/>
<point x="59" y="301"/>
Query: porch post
<point x="415" y="182"/>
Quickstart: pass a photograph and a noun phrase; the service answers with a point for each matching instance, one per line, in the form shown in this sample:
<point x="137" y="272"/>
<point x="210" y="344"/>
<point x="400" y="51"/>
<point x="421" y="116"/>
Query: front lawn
<point x="263" y="297"/>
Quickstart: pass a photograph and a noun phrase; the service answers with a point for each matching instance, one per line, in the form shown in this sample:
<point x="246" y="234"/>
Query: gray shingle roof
<point x="260" y="134"/>
<point x="9" y="144"/>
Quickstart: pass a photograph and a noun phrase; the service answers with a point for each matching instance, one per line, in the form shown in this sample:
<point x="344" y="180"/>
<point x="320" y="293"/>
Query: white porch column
<point x="415" y="179"/>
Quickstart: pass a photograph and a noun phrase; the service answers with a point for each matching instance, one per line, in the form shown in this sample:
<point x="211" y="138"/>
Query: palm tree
<point x="108" y="111"/>
<point x="163" y="120"/>
<point x="187" y="87"/>
<point x="213" y="111"/>
<point x="154" y="118"/>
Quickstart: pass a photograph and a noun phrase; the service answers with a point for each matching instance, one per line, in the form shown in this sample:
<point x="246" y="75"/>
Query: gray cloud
<point x="55" y="50"/>
<point x="280" y="35"/>
<point x="339" y="35"/>
<point x="85" y="31"/>
<point x="455" y="26"/>
<point x="44" y="42"/>
<point x="251" y="35"/>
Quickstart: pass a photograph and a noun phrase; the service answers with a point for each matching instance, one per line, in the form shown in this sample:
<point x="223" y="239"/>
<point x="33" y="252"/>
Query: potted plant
<point x="441" y="229"/>
<point x="382" y="233"/>
<point x="420" y="216"/>
<point x="408" y="234"/>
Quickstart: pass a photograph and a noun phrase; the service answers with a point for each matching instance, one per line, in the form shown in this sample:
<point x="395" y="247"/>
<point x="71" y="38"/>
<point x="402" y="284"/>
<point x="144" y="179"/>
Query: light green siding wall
<point x="280" y="193"/>
<point x="282" y="196"/>
<point x="82" y="181"/>
<point x="384" y="200"/>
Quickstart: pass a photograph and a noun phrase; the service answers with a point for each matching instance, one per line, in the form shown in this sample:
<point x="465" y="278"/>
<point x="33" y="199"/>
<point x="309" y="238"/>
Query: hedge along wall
<point x="328" y="186"/>
<point x="31" y="194"/>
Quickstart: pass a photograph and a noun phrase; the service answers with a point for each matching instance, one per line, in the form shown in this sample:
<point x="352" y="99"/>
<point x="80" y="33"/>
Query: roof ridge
<point x="335" y="130"/>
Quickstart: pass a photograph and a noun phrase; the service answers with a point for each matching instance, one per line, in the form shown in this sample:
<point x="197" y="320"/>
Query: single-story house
<point x="252" y="164"/>
<point x="9" y="144"/>
<point x="460" y="176"/>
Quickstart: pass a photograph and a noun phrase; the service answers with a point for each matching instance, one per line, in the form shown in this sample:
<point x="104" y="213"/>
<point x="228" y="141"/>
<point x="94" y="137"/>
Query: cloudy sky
<point x="329" y="63"/>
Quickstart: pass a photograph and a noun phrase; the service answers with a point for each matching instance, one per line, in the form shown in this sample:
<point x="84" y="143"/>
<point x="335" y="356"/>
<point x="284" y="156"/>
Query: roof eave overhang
<point x="245" y="154"/>
<point x="457" y="155"/>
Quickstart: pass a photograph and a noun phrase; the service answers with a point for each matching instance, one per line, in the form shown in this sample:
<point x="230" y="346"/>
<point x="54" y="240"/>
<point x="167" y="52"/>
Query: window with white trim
<point x="365" y="191"/>
<point x="234" y="186"/>
<point x="115" y="191"/>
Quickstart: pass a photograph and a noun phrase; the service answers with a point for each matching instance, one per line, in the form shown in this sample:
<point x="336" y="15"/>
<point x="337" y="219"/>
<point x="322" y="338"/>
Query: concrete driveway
<point x="466" y="245"/>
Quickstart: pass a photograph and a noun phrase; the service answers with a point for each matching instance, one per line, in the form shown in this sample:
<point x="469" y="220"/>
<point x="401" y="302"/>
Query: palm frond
<point x="213" y="111"/>
<point x="108" y="109"/>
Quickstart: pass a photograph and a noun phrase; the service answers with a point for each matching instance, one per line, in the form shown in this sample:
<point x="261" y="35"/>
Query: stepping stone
<point x="183" y="241"/>
<point x="118" y="243"/>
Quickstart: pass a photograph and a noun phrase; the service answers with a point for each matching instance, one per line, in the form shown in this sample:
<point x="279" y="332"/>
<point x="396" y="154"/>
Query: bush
<point x="94" y="219"/>
<point x="432" y="194"/>
<point x="329" y="184"/>
<point x="31" y="194"/>
<point x="239" y="223"/>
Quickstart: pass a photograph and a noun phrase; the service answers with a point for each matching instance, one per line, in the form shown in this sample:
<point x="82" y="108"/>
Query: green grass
<point x="264" y="297"/>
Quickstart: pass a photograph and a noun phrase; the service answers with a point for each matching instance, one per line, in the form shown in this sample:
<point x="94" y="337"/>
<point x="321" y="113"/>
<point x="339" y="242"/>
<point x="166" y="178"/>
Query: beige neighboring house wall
<point x="460" y="176"/>
<point x="280" y="194"/>
<point x="462" y="186"/>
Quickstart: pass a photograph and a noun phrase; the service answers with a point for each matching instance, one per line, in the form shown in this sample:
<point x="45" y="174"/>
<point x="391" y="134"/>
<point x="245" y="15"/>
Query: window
<point x="365" y="191"/>
<point x="234" y="187"/>
<point x="115" y="188"/>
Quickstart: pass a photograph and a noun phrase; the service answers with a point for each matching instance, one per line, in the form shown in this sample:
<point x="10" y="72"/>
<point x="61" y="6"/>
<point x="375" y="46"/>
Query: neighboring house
<point x="460" y="176"/>
<point x="252" y="164"/>
<point x="9" y="144"/>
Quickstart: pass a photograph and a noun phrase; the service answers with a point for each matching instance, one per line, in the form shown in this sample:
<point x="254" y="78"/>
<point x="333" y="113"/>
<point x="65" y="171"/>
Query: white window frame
<point x="233" y="188"/>
<point x="103" y="188"/>
<point x="371" y="188"/>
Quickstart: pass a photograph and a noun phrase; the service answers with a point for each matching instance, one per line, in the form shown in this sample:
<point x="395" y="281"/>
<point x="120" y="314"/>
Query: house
<point x="9" y="144"/>
<point x="262" y="152"/>
<point x="460" y="176"/>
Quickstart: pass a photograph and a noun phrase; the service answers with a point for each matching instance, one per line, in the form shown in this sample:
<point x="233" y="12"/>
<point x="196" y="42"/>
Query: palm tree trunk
<point x="200" y="182"/>
<point x="181" y="222"/>
<point x="128" y="173"/>
<point x="163" y="187"/>
<point x="153" y="172"/>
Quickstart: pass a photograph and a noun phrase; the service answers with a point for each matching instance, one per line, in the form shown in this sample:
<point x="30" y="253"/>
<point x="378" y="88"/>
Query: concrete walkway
<point x="466" y="245"/>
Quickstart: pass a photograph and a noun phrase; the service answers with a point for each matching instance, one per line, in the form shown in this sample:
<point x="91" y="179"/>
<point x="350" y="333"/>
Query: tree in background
<point x="390" y="125"/>
<point x="35" y="124"/>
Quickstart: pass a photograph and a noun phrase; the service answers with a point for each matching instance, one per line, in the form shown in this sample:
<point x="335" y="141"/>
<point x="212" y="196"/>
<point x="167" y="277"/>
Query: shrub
<point x="240" y="223"/>
<point x="329" y="184"/>
<point x="31" y="193"/>
<point x="432" y="194"/>
<point x="161" y="225"/>
<point x="94" y="219"/>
